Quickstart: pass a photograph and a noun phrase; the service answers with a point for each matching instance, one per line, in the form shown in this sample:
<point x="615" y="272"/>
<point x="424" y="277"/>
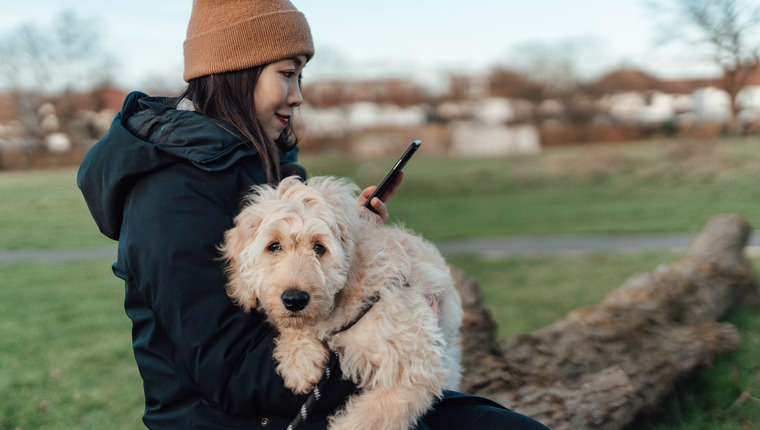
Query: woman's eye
<point x="274" y="247"/>
<point x="319" y="249"/>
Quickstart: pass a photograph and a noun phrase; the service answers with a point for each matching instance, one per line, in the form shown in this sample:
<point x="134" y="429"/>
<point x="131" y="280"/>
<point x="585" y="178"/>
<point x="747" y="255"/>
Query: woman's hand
<point x="382" y="210"/>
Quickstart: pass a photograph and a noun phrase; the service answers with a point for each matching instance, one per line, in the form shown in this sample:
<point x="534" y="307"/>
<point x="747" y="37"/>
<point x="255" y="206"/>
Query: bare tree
<point x="63" y="55"/>
<point x="41" y="63"/>
<point x="558" y="70"/>
<point x="728" y="29"/>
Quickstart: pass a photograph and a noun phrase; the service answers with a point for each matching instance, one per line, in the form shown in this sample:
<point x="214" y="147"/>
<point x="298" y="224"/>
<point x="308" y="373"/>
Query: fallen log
<point x="598" y="367"/>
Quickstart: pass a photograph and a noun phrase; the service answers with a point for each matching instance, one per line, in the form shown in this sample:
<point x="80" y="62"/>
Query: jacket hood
<point x="150" y="134"/>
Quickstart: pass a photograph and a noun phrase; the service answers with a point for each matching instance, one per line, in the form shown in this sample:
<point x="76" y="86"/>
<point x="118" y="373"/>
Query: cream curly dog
<point x="302" y="254"/>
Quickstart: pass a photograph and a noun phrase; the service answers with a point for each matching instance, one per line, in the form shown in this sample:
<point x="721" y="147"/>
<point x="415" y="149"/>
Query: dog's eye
<point x="274" y="247"/>
<point x="319" y="249"/>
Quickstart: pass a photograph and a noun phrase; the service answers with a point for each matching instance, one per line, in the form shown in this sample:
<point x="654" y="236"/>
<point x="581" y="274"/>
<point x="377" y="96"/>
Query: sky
<point x="420" y="39"/>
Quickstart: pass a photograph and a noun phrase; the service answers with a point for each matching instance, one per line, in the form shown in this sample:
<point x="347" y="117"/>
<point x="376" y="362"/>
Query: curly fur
<point x="309" y="237"/>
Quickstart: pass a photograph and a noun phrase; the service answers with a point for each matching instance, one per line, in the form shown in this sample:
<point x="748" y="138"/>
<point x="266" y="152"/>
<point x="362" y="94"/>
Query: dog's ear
<point x="231" y="250"/>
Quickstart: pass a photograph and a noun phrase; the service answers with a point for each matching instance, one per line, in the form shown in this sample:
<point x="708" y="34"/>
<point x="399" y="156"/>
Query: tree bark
<point x="600" y="366"/>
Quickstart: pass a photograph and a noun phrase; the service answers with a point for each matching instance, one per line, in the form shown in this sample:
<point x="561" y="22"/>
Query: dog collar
<point x="367" y="306"/>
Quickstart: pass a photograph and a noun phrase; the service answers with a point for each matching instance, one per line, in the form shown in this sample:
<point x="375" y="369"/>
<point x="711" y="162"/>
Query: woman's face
<point x="277" y="92"/>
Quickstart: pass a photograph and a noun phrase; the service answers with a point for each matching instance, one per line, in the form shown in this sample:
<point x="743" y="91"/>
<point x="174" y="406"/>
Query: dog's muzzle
<point x="295" y="300"/>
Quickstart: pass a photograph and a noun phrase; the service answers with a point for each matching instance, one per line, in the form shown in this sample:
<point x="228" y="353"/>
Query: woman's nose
<point x="295" y="98"/>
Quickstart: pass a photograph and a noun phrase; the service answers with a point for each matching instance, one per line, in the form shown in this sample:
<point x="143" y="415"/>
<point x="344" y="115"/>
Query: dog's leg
<point x="400" y="379"/>
<point x="301" y="359"/>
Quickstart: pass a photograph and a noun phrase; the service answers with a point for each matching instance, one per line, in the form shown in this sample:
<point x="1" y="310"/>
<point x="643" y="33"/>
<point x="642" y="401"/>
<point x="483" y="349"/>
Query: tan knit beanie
<point x="227" y="35"/>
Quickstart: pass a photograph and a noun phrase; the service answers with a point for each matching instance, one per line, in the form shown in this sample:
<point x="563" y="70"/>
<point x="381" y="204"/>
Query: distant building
<point x="332" y="93"/>
<point x="474" y="139"/>
<point x="711" y="104"/>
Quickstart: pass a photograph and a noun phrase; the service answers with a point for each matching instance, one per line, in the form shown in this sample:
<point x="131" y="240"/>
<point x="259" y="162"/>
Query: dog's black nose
<point x="295" y="300"/>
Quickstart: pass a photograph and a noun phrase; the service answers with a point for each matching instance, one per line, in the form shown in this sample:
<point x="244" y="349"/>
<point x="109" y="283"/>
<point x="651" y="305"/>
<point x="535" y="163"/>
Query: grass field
<point x="646" y="187"/>
<point x="65" y="355"/>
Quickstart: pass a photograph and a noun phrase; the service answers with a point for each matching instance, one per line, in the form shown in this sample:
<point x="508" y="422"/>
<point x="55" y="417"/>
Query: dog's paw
<point x="301" y="360"/>
<point x="298" y="384"/>
<point x="301" y="376"/>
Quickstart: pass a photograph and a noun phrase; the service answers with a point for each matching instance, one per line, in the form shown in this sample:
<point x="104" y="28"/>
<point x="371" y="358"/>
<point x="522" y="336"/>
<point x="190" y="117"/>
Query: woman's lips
<point x="284" y="119"/>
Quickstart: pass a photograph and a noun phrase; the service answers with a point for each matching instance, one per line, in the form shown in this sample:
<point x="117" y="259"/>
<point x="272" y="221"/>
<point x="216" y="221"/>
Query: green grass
<point x="65" y="355"/>
<point x="45" y="210"/>
<point x="644" y="187"/>
<point x="634" y="188"/>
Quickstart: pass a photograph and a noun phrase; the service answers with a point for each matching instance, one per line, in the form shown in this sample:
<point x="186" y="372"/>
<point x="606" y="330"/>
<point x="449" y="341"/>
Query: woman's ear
<point x="231" y="250"/>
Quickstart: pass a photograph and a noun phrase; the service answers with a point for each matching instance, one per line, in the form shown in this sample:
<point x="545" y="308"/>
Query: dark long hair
<point x="228" y="97"/>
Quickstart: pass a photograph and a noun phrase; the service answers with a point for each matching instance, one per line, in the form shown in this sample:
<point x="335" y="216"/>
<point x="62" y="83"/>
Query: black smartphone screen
<point x="391" y="176"/>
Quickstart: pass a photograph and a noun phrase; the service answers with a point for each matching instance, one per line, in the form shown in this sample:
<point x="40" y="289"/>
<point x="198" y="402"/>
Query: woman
<point x="166" y="182"/>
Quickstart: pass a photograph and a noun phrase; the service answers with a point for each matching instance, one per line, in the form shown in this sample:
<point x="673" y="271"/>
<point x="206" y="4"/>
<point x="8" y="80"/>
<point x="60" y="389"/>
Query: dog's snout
<point x="295" y="300"/>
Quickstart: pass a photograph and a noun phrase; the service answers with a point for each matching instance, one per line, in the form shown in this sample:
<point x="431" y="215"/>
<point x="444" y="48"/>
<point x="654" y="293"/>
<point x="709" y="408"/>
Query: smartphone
<point x="391" y="176"/>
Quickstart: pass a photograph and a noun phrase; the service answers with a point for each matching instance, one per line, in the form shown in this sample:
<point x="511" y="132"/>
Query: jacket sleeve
<point x="173" y="224"/>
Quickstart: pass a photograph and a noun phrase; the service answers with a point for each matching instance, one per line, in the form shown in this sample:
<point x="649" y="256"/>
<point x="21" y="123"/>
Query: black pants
<point x="464" y="412"/>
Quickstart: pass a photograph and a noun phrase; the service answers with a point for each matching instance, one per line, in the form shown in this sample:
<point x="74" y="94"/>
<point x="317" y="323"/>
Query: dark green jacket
<point x="166" y="184"/>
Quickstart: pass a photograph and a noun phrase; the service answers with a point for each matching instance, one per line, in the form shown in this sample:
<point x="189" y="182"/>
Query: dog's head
<point x="291" y="248"/>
